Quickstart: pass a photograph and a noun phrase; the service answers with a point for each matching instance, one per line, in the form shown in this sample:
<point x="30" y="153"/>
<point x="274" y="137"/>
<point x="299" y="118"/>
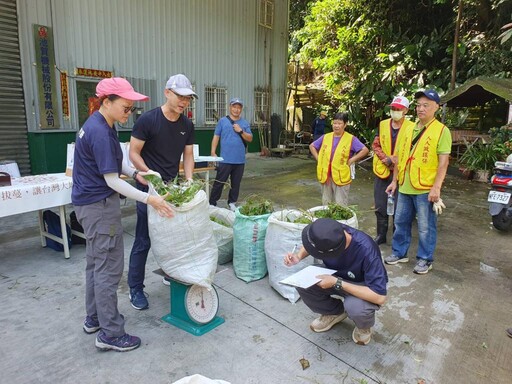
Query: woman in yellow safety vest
<point x="335" y="153"/>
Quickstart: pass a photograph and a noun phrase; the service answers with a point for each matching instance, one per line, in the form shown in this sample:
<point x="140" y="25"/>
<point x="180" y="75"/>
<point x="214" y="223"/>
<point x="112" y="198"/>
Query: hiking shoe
<point x="422" y="266"/>
<point x="138" y="299"/>
<point x="509" y="332"/>
<point x="232" y="207"/>
<point x="362" y="336"/>
<point x="393" y="259"/>
<point x="91" y="325"/>
<point x="326" y="322"/>
<point x="121" y="344"/>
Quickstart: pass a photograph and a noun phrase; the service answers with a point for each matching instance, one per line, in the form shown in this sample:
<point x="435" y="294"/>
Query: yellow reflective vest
<point x="339" y="169"/>
<point x="421" y="161"/>
<point x="380" y="169"/>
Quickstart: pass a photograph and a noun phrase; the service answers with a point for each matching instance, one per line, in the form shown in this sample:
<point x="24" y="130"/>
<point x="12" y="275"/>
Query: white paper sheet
<point x="307" y="277"/>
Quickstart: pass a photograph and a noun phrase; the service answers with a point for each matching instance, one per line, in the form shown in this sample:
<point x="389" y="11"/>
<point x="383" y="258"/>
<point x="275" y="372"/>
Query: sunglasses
<point x="129" y="109"/>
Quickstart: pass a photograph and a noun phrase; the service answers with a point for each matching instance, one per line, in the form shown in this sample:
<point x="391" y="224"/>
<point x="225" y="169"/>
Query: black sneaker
<point x="138" y="299"/>
<point x="91" y="325"/>
<point x="121" y="344"/>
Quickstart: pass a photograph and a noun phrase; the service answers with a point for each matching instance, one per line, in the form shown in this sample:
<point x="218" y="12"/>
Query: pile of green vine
<point x="175" y="193"/>
<point x="256" y="205"/>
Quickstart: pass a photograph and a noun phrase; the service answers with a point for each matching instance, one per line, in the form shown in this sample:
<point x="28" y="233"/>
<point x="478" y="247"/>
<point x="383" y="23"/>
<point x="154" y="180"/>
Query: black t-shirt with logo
<point x="164" y="141"/>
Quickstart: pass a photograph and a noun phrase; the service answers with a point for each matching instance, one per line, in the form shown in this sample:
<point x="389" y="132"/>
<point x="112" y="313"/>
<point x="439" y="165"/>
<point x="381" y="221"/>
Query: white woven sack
<point x="223" y="235"/>
<point x="184" y="245"/>
<point x="199" y="379"/>
<point x="281" y="238"/>
<point x="352" y="221"/>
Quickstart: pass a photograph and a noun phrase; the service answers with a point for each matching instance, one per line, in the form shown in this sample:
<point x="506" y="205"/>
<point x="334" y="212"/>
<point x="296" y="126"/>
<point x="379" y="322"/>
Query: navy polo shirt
<point x="97" y="152"/>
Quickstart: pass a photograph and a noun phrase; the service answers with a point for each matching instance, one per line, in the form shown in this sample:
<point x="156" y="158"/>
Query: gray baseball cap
<point x="180" y="85"/>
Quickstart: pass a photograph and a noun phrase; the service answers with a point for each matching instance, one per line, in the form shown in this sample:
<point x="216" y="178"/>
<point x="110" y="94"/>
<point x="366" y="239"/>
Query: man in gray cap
<point x="360" y="277"/>
<point x="422" y="154"/>
<point x="159" y="138"/>
<point x="233" y="132"/>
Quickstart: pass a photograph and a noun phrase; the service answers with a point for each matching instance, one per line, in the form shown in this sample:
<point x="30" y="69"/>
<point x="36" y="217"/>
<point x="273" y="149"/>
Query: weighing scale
<point x="193" y="308"/>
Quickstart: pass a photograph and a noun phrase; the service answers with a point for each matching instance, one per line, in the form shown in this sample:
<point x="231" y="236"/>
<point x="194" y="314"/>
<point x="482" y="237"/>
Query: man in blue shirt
<point x="233" y="132"/>
<point x="360" y="277"/>
<point x="319" y="125"/>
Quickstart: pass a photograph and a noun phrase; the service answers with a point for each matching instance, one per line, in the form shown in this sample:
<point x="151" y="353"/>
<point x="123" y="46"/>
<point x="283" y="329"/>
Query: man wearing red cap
<point x="383" y="147"/>
<point x="360" y="277"/>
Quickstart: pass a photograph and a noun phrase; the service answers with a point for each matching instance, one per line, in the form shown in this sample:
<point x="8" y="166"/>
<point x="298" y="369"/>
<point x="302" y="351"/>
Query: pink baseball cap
<point x="120" y="87"/>
<point x="400" y="102"/>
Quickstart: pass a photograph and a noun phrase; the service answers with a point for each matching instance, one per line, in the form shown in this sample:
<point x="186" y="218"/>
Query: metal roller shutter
<point x="13" y="124"/>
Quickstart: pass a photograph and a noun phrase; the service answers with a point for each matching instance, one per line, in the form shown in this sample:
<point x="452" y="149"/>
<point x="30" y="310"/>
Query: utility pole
<point x="455" y="47"/>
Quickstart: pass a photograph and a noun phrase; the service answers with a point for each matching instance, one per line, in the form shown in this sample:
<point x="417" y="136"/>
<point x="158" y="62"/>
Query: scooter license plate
<point x="498" y="197"/>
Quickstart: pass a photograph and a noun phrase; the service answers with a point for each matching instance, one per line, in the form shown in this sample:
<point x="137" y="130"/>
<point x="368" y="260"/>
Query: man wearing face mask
<point x="383" y="147"/>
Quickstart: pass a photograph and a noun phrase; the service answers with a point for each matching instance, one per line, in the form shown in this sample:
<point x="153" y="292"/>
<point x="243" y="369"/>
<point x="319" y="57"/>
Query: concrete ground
<point x="445" y="327"/>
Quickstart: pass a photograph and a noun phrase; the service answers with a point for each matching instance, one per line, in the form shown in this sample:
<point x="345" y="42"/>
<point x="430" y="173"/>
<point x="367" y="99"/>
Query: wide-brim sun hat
<point x="120" y="87"/>
<point x="324" y="238"/>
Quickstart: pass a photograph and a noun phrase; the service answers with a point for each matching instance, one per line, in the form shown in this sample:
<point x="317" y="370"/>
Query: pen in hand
<point x="288" y="258"/>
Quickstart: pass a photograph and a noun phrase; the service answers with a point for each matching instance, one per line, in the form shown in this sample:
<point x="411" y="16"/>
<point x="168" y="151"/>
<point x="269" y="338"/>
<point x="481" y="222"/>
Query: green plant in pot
<point x="481" y="157"/>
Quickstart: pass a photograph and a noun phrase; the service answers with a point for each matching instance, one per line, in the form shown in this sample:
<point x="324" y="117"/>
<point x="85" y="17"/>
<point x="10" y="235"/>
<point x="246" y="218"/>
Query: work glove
<point x="188" y="183"/>
<point x="438" y="206"/>
<point x="150" y="172"/>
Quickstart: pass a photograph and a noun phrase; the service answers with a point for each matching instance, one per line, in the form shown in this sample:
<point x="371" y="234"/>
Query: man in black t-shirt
<point x="159" y="138"/>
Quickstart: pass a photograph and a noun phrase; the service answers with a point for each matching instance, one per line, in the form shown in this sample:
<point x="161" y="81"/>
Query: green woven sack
<point x="249" y="261"/>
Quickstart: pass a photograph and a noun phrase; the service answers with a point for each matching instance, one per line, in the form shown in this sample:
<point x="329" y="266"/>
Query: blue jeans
<point x="141" y="245"/>
<point x="408" y="207"/>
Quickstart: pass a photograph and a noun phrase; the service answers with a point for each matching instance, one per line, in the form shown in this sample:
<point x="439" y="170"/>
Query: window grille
<point x="215" y="104"/>
<point x="261" y="107"/>
<point x="266" y="13"/>
<point x="190" y="111"/>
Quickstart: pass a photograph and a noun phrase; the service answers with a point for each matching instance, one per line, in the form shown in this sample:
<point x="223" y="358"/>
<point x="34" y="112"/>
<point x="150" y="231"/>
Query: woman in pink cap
<point x="98" y="163"/>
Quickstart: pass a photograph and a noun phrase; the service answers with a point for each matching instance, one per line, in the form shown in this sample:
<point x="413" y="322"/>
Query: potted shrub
<point x="480" y="158"/>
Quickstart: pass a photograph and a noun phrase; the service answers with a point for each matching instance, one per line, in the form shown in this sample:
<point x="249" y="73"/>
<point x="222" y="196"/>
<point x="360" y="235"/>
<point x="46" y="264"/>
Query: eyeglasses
<point x="129" y="109"/>
<point x="182" y="98"/>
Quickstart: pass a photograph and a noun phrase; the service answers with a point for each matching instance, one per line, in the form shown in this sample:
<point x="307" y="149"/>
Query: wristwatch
<point x="135" y="173"/>
<point x="339" y="284"/>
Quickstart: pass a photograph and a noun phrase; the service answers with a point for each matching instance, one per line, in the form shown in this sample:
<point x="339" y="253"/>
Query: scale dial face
<point x="201" y="304"/>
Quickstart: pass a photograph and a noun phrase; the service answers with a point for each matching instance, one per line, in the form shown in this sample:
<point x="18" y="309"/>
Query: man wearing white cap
<point x="159" y="138"/>
<point x="233" y="132"/>
<point x="422" y="152"/>
<point x="383" y="147"/>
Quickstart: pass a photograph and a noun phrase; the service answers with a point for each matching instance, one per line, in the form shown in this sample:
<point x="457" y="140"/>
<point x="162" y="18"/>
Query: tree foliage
<point x="366" y="51"/>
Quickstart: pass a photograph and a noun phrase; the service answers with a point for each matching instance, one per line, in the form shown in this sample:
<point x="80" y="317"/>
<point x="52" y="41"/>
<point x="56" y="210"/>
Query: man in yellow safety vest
<point x="422" y="153"/>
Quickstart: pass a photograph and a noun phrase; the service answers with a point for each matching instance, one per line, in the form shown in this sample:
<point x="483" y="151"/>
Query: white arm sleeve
<point x="123" y="188"/>
<point x="127" y="170"/>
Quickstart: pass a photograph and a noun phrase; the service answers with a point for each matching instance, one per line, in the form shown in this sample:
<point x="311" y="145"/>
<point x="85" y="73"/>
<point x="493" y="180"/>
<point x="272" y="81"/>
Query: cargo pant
<point x="104" y="261"/>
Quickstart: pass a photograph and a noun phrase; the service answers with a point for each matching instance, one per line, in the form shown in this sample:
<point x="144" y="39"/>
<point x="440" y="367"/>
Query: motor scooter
<point x="499" y="198"/>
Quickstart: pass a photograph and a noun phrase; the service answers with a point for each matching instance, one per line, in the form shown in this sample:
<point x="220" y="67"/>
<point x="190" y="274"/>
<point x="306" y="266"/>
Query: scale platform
<point x="193" y="308"/>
